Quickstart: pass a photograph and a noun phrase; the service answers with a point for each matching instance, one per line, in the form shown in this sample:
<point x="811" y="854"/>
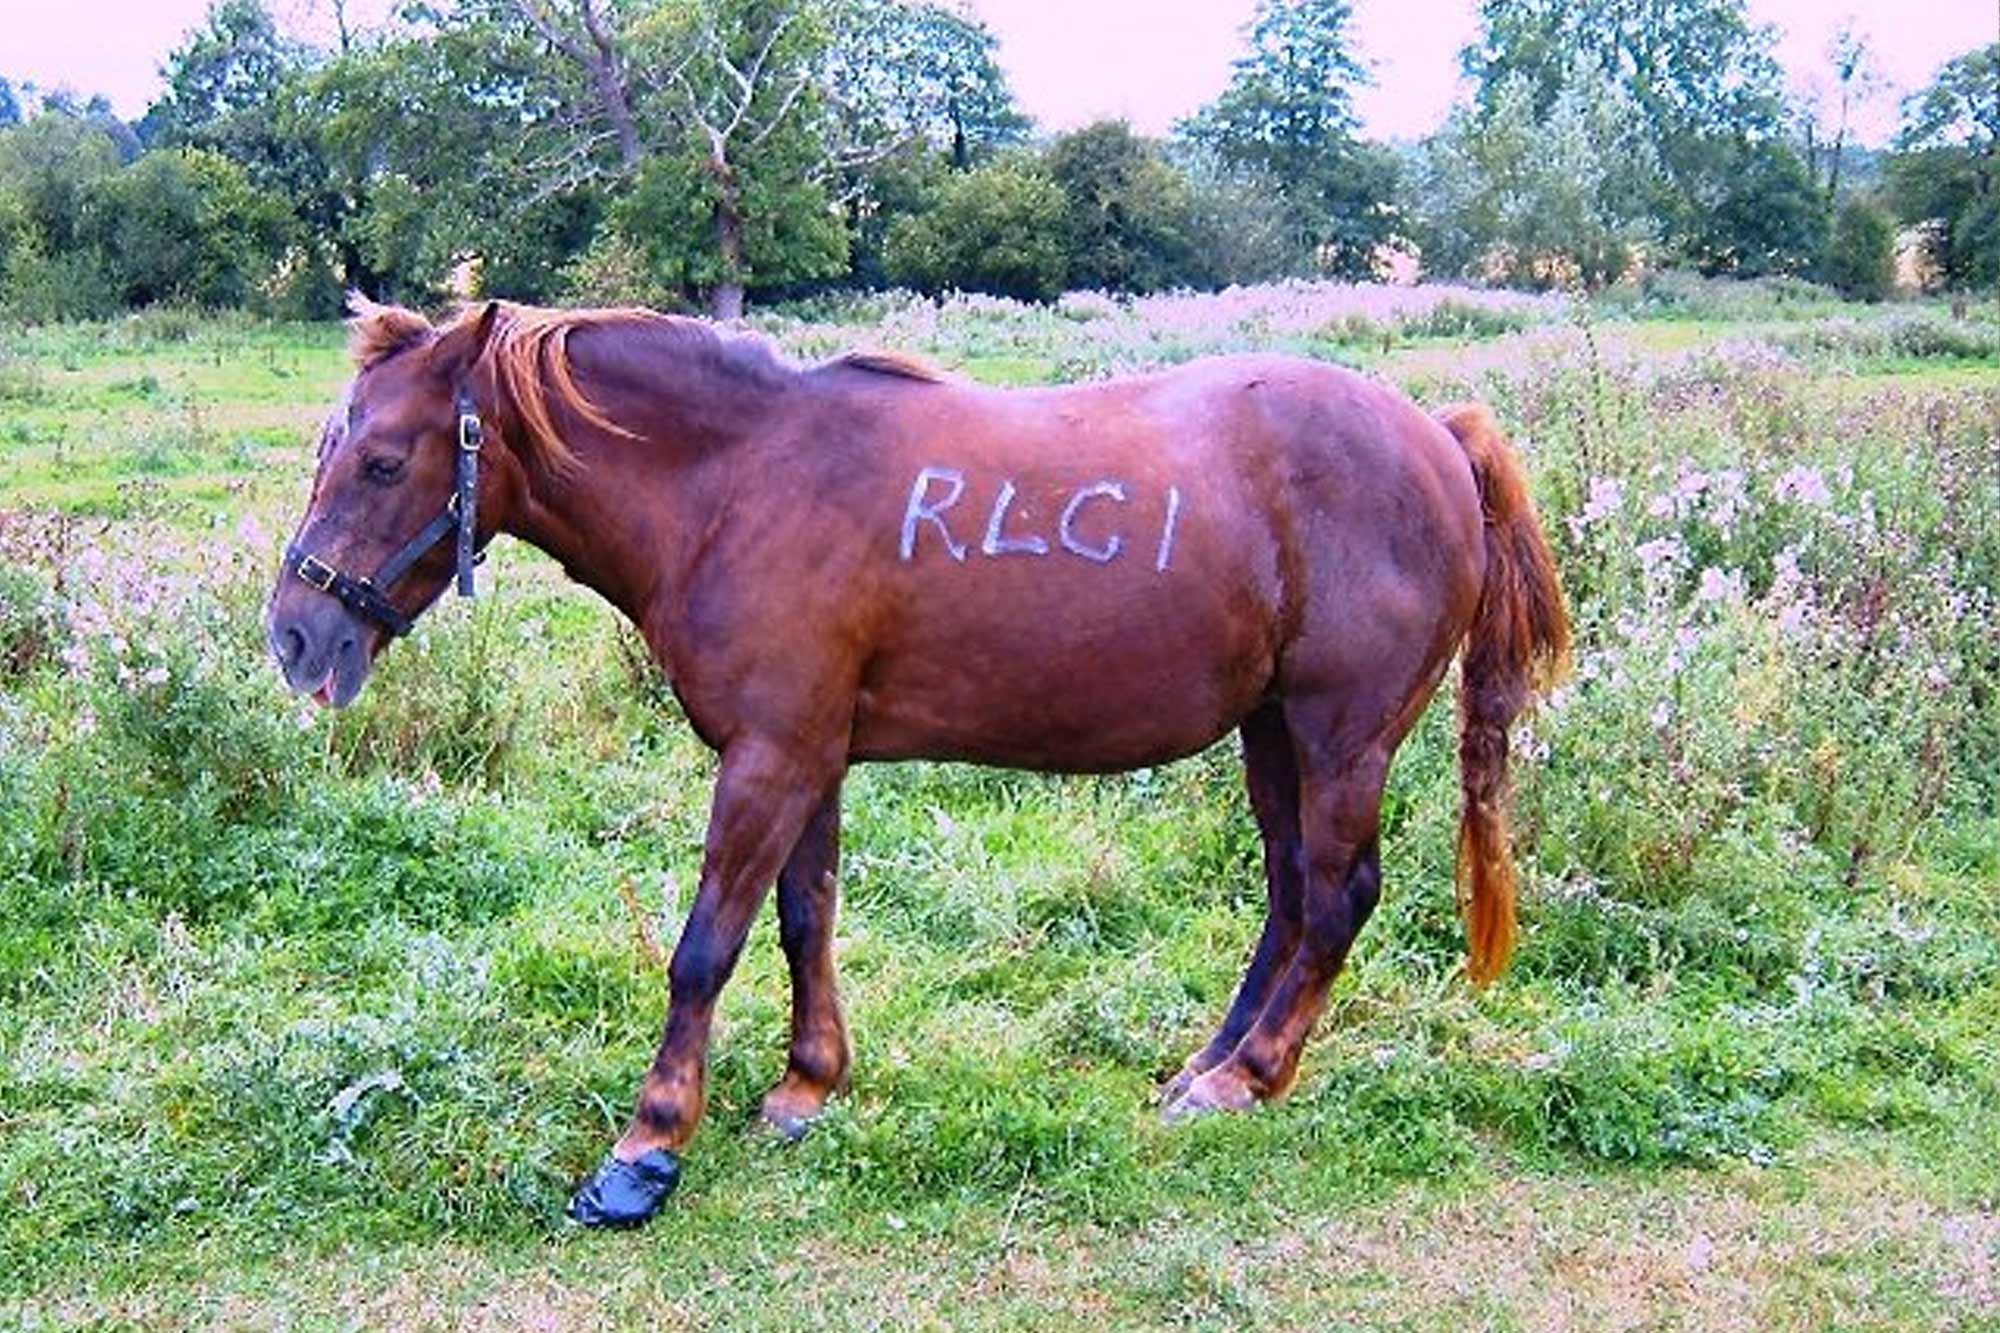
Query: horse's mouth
<point x="338" y="686"/>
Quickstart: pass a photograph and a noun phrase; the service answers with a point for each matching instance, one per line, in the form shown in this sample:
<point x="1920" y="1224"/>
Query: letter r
<point x="920" y="510"/>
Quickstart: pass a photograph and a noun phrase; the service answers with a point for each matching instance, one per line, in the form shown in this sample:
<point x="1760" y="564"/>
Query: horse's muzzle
<point x="323" y="650"/>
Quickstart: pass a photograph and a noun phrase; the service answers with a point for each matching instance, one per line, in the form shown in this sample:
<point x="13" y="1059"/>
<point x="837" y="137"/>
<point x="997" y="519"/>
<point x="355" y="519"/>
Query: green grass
<point x="312" y="1020"/>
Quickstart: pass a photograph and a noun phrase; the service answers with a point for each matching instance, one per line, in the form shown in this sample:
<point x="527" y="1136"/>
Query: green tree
<point x="1539" y="199"/>
<point x="49" y="269"/>
<point x="901" y="72"/>
<point x="1288" y="112"/>
<point x="1238" y="223"/>
<point x="1945" y="175"/>
<point x="222" y="86"/>
<point x="1708" y="91"/>
<point x="1757" y="213"/>
<point x="239" y="87"/>
<point x="10" y="106"/>
<point x="1860" y="257"/>
<point x="741" y="125"/>
<point x="1128" y="217"/>
<point x="423" y="137"/>
<point x="185" y="225"/>
<point x="997" y="229"/>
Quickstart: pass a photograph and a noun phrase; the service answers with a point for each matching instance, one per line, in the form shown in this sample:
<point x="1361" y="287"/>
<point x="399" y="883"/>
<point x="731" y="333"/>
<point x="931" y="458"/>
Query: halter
<point x="369" y="596"/>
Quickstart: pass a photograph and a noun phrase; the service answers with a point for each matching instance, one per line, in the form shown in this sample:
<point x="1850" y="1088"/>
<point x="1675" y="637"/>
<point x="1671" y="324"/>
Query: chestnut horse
<point x="865" y="560"/>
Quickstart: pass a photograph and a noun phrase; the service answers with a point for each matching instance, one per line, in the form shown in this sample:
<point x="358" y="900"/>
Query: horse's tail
<point x="1518" y="645"/>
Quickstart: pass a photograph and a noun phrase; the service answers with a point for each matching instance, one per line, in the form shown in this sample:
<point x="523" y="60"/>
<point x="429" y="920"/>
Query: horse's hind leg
<point x="1271" y="773"/>
<point x="807" y="902"/>
<point x="1341" y="777"/>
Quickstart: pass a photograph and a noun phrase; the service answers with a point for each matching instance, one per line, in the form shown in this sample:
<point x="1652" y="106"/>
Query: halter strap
<point x="368" y="597"/>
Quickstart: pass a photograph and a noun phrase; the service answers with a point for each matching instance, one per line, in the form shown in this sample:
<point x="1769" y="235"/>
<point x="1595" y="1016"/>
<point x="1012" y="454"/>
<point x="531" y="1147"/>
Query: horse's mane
<point x="529" y="352"/>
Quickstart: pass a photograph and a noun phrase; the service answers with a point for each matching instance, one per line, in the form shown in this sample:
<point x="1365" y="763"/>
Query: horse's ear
<point x="463" y="341"/>
<point x="377" y="332"/>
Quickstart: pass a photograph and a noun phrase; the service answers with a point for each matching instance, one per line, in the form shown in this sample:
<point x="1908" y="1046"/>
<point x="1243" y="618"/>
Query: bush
<point x="185" y="225"/>
<point x="997" y="230"/>
<point x="39" y="288"/>
<point x="1861" y="255"/>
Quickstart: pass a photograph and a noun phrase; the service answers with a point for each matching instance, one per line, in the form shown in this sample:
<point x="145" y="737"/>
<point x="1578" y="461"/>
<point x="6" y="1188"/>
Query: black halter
<point x="369" y="596"/>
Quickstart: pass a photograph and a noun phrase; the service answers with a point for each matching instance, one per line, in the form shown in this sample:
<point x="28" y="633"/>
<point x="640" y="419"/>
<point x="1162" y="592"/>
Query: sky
<point x="1071" y="61"/>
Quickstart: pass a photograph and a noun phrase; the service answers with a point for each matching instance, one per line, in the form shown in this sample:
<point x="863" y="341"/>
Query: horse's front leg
<point x="807" y="902"/>
<point x="764" y="795"/>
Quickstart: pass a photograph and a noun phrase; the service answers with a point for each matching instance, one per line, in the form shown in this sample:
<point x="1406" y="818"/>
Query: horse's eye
<point x="382" y="469"/>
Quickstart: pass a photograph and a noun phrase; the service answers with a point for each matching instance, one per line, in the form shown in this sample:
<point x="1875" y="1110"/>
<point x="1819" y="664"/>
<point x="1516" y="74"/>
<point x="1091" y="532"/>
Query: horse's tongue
<point x="324" y="694"/>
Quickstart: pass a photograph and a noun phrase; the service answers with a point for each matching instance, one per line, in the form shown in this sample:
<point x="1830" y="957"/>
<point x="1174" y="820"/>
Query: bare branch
<point x="531" y="10"/>
<point x="799" y="85"/>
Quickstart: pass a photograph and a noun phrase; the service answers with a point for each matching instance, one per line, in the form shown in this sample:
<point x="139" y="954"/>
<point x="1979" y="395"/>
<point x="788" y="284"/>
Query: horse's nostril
<point x="291" y="645"/>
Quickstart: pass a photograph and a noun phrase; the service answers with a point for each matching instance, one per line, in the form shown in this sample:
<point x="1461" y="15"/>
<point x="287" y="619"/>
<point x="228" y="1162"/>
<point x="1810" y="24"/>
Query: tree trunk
<point x="726" y="301"/>
<point x="611" y="92"/>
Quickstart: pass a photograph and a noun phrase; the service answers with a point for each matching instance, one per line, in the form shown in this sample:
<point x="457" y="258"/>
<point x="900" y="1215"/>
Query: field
<point x="310" y="1020"/>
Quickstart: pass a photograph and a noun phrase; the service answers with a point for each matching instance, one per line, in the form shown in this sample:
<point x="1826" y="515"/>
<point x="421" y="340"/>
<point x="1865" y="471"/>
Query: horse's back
<point x="1113" y="574"/>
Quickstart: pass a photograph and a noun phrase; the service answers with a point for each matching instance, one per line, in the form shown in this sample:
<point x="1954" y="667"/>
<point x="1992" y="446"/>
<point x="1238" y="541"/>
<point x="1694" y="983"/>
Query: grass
<point x="312" y="1020"/>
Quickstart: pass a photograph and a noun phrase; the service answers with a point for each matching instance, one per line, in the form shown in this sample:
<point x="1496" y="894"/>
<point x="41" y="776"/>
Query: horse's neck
<point x="626" y="520"/>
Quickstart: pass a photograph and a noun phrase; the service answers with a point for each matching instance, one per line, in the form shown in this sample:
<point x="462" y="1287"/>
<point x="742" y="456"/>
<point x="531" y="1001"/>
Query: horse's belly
<point x="1070" y="679"/>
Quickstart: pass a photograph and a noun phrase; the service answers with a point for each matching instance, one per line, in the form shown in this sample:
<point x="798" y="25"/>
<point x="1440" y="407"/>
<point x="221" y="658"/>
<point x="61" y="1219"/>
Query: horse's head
<point x="376" y="545"/>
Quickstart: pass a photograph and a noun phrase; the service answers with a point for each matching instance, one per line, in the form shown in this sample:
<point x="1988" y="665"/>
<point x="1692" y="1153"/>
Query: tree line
<point x="695" y="153"/>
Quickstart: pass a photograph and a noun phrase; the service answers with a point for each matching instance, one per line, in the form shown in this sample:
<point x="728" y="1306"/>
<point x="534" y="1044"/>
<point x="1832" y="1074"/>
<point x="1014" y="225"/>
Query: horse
<point x="867" y="560"/>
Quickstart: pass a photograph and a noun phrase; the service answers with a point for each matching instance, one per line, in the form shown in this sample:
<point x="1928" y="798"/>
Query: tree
<point x="48" y="168"/>
<point x="221" y="88"/>
<point x="1128" y="216"/>
<point x="1538" y="200"/>
<point x="1239" y="228"/>
<point x="1861" y="254"/>
<point x="1856" y="80"/>
<point x="997" y="228"/>
<point x="239" y="87"/>
<point x="1705" y="86"/>
<point x="1945" y="176"/>
<point x="921" y="73"/>
<point x="423" y="138"/>
<point x="186" y="225"/>
<point x="1288" y="112"/>
<point x="745" y="124"/>
<point x="10" y="106"/>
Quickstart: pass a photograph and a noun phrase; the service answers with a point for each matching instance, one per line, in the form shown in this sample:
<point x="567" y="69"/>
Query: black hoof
<point x="625" y="1194"/>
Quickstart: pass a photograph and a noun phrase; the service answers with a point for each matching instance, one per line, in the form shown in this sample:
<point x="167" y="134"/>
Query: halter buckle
<point x="471" y="434"/>
<point x="316" y="573"/>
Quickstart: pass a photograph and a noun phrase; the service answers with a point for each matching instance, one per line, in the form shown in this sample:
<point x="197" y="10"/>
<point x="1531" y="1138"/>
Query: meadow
<point x="311" y="1019"/>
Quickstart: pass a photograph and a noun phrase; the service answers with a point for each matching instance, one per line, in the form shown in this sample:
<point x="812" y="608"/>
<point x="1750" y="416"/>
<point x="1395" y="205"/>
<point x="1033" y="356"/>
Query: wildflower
<point x="1721" y="585"/>
<point x="1607" y="496"/>
<point x="1804" y="485"/>
<point x="1661" y="556"/>
<point x="155" y="676"/>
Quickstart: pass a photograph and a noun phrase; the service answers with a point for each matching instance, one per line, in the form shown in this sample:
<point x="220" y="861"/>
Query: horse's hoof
<point x="1214" y="1091"/>
<point x="625" y="1194"/>
<point x="1176" y="1087"/>
<point x="791" y="1128"/>
<point x="792" y="1107"/>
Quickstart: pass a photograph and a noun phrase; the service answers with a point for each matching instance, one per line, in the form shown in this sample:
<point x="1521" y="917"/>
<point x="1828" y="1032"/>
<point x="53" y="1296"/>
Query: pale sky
<point x="1152" y="61"/>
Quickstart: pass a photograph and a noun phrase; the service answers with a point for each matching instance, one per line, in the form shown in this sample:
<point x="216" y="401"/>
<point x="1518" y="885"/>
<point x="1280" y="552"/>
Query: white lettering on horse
<point x="1106" y="553"/>
<point x="917" y="511"/>
<point x="1167" y="529"/>
<point x="922" y="508"/>
<point x="995" y="543"/>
